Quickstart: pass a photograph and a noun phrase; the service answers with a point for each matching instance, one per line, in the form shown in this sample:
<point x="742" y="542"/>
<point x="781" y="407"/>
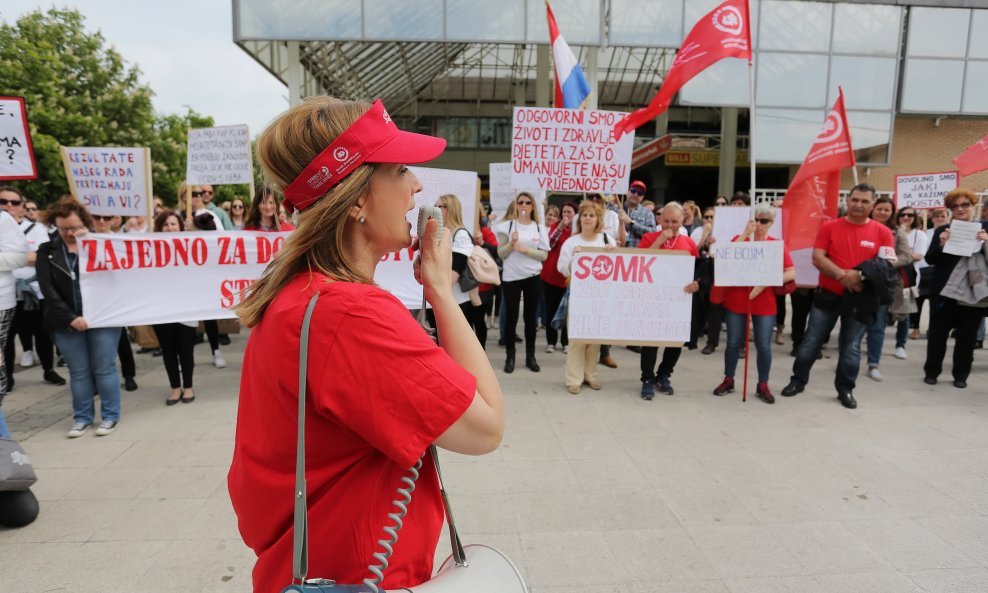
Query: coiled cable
<point x="401" y="504"/>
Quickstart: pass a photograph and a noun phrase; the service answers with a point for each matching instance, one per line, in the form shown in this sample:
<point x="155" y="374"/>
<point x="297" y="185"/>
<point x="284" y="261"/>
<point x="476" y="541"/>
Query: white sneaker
<point x="550" y="349"/>
<point x="218" y="360"/>
<point x="565" y="349"/>
<point x="105" y="428"/>
<point x="28" y="359"/>
<point x="874" y="374"/>
<point x="900" y="353"/>
<point x="78" y="429"/>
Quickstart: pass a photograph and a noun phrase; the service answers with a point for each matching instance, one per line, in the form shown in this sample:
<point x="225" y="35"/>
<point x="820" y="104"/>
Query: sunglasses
<point x="961" y="205"/>
<point x="4" y="202"/>
<point x="197" y="194"/>
<point x="101" y="217"/>
<point x="906" y="215"/>
<point x="525" y="203"/>
<point x="237" y="207"/>
<point x="764" y="220"/>
<point x="636" y="191"/>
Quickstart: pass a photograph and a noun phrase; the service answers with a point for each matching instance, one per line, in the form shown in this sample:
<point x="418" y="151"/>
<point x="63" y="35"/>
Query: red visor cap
<point x="373" y="138"/>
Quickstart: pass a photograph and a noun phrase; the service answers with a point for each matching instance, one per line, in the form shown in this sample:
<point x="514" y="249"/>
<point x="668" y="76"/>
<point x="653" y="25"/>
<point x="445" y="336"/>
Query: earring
<point x="361" y="220"/>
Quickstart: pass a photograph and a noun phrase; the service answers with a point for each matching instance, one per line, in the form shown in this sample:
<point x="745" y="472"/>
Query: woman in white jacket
<point x="13" y="255"/>
<point x="581" y="360"/>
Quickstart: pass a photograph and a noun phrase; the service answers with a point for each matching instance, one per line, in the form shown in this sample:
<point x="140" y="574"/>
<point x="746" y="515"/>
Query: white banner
<point x="394" y="273"/>
<point x="630" y="296"/>
<point x="169" y="277"/>
<point x="748" y="263"/>
<point x="502" y="194"/>
<point x="729" y="222"/>
<point x="110" y="180"/>
<point x="569" y="150"/>
<point x="806" y="273"/>
<point x="16" y="153"/>
<point x="219" y="156"/>
<point x="924" y="190"/>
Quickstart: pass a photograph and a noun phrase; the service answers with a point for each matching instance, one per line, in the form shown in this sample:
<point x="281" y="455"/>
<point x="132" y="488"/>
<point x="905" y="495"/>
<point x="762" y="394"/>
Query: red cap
<point x="373" y="138"/>
<point x="637" y="183"/>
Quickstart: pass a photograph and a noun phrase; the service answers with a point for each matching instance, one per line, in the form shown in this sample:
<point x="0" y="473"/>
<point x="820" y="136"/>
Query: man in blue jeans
<point x="841" y="245"/>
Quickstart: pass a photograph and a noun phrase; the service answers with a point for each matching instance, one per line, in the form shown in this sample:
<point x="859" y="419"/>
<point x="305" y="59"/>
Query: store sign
<point x="702" y="158"/>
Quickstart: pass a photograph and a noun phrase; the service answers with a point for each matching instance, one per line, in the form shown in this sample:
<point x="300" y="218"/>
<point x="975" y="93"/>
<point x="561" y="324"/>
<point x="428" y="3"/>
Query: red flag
<point x="814" y="193"/>
<point x="722" y="33"/>
<point x="974" y="159"/>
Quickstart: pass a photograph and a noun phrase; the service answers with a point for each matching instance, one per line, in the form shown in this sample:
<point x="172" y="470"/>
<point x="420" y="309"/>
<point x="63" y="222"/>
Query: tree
<point x="78" y="92"/>
<point x="169" y="147"/>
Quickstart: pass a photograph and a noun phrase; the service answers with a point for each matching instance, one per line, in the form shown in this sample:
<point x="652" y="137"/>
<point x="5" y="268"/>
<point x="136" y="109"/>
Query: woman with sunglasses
<point x="196" y="195"/>
<point x="523" y="245"/>
<point x="938" y="218"/>
<point x="238" y="214"/>
<point x="946" y="313"/>
<point x="910" y="225"/>
<point x="884" y="212"/>
<point x="89" y="352"/>
<point x="759" y="302"/>
<point x="263" y="214"/>
<point x="380" y="391"/>
<point x="462" y="244"/>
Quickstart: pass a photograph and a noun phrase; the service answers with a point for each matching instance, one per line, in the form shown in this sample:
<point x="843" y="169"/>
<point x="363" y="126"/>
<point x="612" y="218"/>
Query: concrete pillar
<point x="728" y="150"/>
<point x="543" y="78"/>
<point x="293" y="73"/>
<point x="593" y="73"/>
<point x="662" y="124"/>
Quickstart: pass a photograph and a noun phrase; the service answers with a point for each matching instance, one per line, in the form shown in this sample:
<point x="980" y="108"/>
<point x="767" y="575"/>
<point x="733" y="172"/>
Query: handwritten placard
<point x="630" y="296"/>
<point x="502" y="193"/>
<point x="109" y="180"/>
<point x="16" y="152"/>
<point x="748" y="263"/>
<point x="219" y="156"/>
<point x="924" y="190"/>
<point x="569" y="150"/>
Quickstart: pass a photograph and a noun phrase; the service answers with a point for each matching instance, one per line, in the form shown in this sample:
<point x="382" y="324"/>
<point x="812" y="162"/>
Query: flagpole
<point x="751" y="124"/>
<point x="854" y="173"/>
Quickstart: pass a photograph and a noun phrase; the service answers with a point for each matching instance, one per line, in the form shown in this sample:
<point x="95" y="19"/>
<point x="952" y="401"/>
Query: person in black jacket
<point x="946" y="313"/>
<point x="89" y="352"/>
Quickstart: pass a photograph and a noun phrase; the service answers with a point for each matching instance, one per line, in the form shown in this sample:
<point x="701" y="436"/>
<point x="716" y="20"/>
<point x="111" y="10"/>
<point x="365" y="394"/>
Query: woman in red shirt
<point x="263" y="215"/>
<point x="380" y="391"/>
<point x="554" y="283"/>
<point x="739" y="301"/>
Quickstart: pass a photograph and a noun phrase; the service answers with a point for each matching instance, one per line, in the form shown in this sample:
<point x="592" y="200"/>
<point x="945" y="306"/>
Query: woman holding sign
<point x="760" y="303"/>
<point x="581" y="359"/>
<point x="947" y="313"/>
<point x="90" y="353"/>
<point x="523" y="245"/>
<point x="380" y="391"/>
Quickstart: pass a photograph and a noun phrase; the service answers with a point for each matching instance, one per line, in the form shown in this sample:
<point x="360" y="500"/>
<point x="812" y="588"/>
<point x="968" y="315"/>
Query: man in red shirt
<point x="841" y="245"/>
<point x="671" y="220"/>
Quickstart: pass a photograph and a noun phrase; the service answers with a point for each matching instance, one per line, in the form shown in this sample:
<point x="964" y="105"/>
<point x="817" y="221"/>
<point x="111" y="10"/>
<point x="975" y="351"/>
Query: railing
<point x="767" y="196"/>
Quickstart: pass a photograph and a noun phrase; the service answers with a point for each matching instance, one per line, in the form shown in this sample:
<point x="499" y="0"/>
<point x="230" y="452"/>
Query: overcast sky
<point x="186" y="54"/>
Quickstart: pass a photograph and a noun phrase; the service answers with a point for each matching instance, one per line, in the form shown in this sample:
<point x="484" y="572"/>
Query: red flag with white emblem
<point x="722" y="33"/>
<point x="813" y="195"/>
<point x="974" y="159"/>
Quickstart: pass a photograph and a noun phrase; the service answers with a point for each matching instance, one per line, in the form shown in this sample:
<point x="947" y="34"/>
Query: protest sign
<point x="16" y="152"/>
<point x="219" y="156"/>
<point x="963" y="239"/>
<point x="924" y="190"/>
<point x="630" y="296"/>
<point x="394" y="273"/>
<point x="110" y="180"/>
<point x="502" y="193"/>
<point x="748" y="263"/>
<point x="169" y="277"/>
<point x="729" y="222"/>
<point x="807" y="275"/>
<point x="569" y="150"/>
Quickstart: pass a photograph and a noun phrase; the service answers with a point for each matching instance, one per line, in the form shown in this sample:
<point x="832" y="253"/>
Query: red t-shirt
<point x="736" y="297"/>
<point x="380" y="391"/>
<point x="848" y="244"/>
<point x="550" y="273"/>
<point x="680" y="242"/>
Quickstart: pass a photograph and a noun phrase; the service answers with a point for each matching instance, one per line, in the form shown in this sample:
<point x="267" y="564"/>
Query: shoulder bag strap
<point x="459" y="556"/>
<point x="300" y="544"/>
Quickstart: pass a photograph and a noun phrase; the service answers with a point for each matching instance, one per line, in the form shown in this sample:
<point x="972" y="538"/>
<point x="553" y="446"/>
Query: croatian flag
<point x="572" y="89"/>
